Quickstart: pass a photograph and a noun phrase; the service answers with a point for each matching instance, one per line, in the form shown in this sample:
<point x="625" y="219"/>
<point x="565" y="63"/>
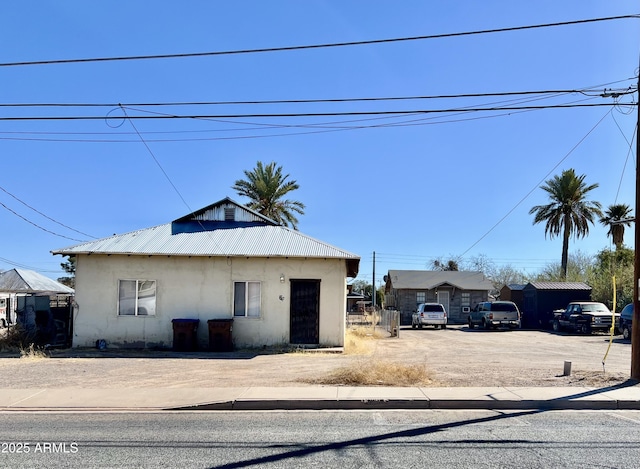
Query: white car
<point x="429" y="314"/>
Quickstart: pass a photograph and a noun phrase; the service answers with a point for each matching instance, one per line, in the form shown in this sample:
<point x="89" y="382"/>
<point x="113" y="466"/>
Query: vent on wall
<point x="229" y="214"/>
<point x="466" y="309"/>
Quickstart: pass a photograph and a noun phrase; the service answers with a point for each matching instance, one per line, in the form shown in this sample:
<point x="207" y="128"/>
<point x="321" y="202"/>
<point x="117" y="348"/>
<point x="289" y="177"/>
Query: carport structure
<point x="39" y="304"/>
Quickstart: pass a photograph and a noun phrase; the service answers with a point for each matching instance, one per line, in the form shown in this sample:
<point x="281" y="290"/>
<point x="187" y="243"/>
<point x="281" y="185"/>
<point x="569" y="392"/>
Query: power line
<point x="538" y="184"/>
<point x="333" y="125"/>
<point x="156" y="159"/>
<point x="24" y="266"/>
<point x="166" y="175"/>
<point x="46" y="216"/>
<point x="317" y="128"/>
<point x="618" y="92"/>
<point x="317" y="46"/>
<point x="313" y="114"/>
<point x="38" y="226"/>
<point x="629" y="153"/>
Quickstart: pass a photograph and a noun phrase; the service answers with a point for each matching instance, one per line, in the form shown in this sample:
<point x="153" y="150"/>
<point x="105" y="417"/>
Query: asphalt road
<point x="479" y="439"/>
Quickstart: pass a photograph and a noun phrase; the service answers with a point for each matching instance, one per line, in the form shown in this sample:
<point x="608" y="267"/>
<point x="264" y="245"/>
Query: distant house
<point x="222" y="262"/>
<point x="355" y="301"/>
<point x="41" y="305"/>
<point x="540" y="299"/>
<point x="457" y="291"/>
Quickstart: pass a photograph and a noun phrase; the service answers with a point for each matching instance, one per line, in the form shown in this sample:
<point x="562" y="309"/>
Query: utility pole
<point x="635" y="328"/>
<point x="373" y="288"/>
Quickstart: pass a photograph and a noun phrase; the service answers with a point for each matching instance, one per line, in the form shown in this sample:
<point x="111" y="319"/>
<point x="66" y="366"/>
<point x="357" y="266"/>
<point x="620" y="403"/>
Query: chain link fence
<point x="377" y="319"/>
<point x="389" y="320"/>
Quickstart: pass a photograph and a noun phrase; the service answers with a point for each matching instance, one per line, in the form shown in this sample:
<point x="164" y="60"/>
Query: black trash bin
<point x="220" y="335"/>
<point x="185" y="334"/>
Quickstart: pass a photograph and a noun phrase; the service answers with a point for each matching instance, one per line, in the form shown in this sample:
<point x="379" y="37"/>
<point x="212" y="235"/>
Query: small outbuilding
<point x="40" y="305"/>
<point x="540" y="299"/>
<point x="513" y="292"/>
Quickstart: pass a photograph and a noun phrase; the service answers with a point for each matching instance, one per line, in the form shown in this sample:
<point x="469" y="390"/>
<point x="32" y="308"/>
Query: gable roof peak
<point x="226" y="210"/>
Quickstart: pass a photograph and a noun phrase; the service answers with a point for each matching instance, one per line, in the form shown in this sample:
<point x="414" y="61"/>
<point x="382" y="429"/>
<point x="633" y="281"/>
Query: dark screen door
<point x="305" y="312"/>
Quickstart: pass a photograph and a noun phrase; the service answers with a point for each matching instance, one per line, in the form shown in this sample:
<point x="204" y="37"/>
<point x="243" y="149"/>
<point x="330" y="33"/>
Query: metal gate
<point x="305" y="312"/>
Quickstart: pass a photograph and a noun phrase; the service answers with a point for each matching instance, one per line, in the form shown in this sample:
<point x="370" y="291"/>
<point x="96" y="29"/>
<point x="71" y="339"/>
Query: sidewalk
<point x="625" y="396"/>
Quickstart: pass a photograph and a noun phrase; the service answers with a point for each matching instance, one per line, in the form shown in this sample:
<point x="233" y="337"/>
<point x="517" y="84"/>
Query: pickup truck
<point x="491" y="314"/>
<point x="584" y="317"/>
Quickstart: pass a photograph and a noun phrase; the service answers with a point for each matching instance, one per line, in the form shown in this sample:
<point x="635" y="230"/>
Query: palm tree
<point x="616" y="218"/>
<point x="568" y="212"/>
<point x="266" y="186"/>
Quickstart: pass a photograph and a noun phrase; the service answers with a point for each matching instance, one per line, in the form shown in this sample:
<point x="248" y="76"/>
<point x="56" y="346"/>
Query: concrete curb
<point x="394" y="404"/>
<point x="620" y="397"/>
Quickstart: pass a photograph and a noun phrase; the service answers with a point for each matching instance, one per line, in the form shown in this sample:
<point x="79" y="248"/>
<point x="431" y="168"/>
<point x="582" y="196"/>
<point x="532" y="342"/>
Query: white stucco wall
<point x="201" y="288"/>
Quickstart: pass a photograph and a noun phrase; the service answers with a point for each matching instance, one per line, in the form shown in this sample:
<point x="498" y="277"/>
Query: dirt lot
<point x="456" y="356"/>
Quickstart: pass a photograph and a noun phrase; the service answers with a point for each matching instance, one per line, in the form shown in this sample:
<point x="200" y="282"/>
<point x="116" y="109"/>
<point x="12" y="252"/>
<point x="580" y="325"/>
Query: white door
<point x="443" y="299"/>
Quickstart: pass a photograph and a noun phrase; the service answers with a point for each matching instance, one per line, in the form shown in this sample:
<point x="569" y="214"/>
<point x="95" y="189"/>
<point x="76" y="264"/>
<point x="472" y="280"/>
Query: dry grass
<point x="373" y="371"/>
<point x="361" y="340"/>
<point x="32" y="353"/>
<point x="379" y="373"/>
<point x="14" y="339"/>
<point x="595" y="378"/>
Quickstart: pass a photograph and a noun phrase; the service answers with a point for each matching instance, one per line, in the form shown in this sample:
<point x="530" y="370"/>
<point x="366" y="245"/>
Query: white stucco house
<point x="223" y="261"/>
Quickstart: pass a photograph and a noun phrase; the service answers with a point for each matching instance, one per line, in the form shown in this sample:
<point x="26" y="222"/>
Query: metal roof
<point x="223" y="229"/>
<point x="253" y="241"/>
<point x="28" y="281"/>
<point x="559" y="286"/>
<point x="515" y="286"/>
<point x="429" y="279"/>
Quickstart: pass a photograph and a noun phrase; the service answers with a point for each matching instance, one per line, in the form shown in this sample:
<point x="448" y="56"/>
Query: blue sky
<point x="411" y="187"/>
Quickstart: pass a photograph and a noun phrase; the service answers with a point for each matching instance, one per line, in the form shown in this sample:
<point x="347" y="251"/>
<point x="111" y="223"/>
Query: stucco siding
<point x="202" y="288"/>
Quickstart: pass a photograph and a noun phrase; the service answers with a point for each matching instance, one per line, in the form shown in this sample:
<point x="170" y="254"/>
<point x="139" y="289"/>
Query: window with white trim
<point x="421" y="297"/>
<point x="137" y="298"/>
<point x="465" y="299"/>
<point x="246" y="299"/>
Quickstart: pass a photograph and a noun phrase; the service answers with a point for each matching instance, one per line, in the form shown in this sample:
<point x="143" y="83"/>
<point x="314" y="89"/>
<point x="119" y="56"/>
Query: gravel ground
<point x="455" y="356"/>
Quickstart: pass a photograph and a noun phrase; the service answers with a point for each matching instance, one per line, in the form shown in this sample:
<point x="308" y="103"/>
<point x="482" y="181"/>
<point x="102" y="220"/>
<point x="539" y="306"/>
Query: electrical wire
<point x="619" y="92"/>
<point x="332" y="126"/>
<point x="538" y="184"/>
<point x="323" y="129"/>
<point x="38" y="226"/>
<point x="338" y="125"/>
<point x="629" y="153"/>
<point x="44" y="215"/>
<point x="24" y="266"/>
<point x="310" y="114"/>
<point x="318" y="46"/>
<point x="156" y="160"/>
<point x="166" y="175"/>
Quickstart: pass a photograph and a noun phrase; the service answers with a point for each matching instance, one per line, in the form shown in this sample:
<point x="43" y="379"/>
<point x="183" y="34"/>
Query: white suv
<point x="429" y="314"/>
